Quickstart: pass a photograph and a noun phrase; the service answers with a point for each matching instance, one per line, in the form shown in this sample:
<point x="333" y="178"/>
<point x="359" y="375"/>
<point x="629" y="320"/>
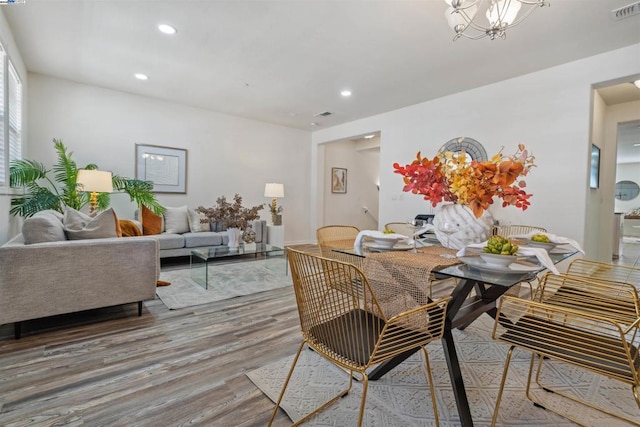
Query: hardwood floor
<point x="109" y="367"/>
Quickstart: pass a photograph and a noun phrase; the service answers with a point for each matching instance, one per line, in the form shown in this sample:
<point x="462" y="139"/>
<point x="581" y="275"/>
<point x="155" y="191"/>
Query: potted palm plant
<point x="56" y="188"/>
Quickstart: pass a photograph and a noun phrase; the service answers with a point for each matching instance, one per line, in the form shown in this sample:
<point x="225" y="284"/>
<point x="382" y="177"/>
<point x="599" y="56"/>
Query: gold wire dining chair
<point x="347" y="325"/>
<point x="587" y="324"/>
<point x="331" y="237"/>
<point x="515" y="230"/>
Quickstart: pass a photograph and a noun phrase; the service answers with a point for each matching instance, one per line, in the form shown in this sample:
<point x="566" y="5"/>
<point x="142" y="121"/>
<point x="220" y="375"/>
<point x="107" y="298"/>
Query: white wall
<point x="226" y="154"/>
<point x="549" y="111"/>
<point x="362" y="174"/>
<point x="10" y="225"/>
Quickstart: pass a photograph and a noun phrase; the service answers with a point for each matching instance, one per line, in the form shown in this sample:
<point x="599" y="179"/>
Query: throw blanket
<point x="129" y="228"/>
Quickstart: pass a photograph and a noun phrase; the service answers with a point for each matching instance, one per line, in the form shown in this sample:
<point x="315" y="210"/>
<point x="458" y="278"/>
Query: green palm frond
<point x="22" y="172"/>
<point x="138" y="191"/>
<point x="37" y="199"/>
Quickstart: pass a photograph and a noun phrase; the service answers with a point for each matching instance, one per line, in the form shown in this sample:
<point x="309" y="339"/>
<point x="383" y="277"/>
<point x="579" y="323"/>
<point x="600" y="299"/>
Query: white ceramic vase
<point x="234" y="234"/>
<point x="469" y="228"/>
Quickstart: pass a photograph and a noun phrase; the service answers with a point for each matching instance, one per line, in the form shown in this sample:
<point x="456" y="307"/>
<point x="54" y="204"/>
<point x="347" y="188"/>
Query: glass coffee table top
<point x="200" y="257"/>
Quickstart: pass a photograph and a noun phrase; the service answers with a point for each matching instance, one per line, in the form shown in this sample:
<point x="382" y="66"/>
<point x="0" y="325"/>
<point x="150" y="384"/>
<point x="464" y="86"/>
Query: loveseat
<point x="57" y="276"/>
<point x="180" y="230"/>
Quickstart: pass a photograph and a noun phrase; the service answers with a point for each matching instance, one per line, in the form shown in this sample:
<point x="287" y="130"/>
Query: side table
<point x="275" y="235"/>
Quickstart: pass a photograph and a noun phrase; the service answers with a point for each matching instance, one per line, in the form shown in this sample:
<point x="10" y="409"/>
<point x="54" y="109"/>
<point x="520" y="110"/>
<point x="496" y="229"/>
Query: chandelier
<point x="463" y="16"/>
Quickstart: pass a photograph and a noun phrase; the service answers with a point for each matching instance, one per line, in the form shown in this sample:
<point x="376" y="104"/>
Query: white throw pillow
<point x="195" y="224"/>
<point x="44" y="226"/>
<point x="79" y="226"/>
<point x="176" y="220"/>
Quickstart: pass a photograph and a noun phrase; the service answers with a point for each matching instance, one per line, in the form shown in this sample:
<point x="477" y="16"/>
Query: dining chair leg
<point x="504" y="379"/>
<point x="286" y="383"/>
<point x="432" y="388"/>
<point x="365" y="388"/>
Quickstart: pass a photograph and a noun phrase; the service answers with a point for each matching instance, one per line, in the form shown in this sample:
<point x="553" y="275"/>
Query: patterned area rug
<point x="226" y="280"/>
<point x="402" y="397"/>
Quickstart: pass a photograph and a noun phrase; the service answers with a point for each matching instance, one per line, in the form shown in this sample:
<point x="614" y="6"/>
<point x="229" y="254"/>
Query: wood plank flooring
<point x="109" y="367"/>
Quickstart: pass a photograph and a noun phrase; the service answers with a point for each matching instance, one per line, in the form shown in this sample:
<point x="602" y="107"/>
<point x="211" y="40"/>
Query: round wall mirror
<point x="473" y="148"/>
<point x="626" y="190"/>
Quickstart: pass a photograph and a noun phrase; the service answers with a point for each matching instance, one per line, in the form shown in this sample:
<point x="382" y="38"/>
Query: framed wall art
<point x="338" y="180"/>
<point x="165" y="167"/>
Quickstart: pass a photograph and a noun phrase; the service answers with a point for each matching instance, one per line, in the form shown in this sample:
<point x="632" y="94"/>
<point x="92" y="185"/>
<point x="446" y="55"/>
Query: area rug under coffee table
<point x="226" y="280"/>
<point x="402" y="398"/>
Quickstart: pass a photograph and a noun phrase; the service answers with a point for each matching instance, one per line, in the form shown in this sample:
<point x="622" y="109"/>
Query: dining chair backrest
<point x="332" y="237"/>
<point x="617" y="301"/>
<point x="400" y="228"/>
<point x="597" y="270"/>
<point x="515" y="230"/>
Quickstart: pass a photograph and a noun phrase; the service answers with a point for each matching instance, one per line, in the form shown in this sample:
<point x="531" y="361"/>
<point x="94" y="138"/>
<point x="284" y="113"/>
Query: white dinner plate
<point x="515" y="268"/>
<point x="397" y="247"/>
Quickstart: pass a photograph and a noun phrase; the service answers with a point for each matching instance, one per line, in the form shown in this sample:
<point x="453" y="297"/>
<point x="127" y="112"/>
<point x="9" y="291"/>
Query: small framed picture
<point x="338" y="180"/>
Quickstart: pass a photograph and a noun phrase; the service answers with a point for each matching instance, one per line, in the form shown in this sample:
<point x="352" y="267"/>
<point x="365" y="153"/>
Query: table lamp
<point x="274" y="190"/>
<point x="96" y="182"/>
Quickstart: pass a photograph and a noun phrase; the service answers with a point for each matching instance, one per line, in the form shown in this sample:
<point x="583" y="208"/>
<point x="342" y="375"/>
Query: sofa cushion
<point x="151" y="223"/>
<point x="195" y="222"/>
<point x="44" y="226"/>
<point x="176" y="220"/>
<point x="170" y="240"/>
<point x="207" y="238"/>
<point x="79" y="226"/>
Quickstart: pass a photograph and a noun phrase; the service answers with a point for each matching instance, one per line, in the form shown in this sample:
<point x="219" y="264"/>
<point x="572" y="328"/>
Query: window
<point x="10" y="116"/>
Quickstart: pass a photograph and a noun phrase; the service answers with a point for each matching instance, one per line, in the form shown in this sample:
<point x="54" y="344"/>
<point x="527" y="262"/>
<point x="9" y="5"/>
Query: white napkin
<point x="375" y="233"/>
<point x="539" y="253"/>
<point x="553" y="239"/>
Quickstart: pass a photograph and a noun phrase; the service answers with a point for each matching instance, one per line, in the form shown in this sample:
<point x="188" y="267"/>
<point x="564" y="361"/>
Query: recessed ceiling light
<point x="369" y="136"/>
<point x="636" y="145"/>
<point x="167" y="29"/>
<point x="345" y="93"/>
<point x="141" y="76"/>
<point x="314" y="124"/>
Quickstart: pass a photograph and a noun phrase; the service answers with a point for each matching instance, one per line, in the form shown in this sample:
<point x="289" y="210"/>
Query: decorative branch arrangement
<point x="231" y="215"/>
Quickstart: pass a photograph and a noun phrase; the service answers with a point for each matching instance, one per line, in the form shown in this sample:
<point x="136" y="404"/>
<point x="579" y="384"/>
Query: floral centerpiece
<point x="233" y="216"/>
<point x="452" y="177"/>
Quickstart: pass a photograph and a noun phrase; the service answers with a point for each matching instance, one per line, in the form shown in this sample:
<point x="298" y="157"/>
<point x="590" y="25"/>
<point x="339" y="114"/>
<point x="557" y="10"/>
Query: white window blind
<point x="15" y="115"/>
<point x="4" y="161"/>
<point x="10" y="116"/>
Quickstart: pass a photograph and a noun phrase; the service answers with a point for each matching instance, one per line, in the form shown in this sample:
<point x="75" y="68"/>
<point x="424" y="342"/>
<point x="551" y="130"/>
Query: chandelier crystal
<point x="495" y="18"/>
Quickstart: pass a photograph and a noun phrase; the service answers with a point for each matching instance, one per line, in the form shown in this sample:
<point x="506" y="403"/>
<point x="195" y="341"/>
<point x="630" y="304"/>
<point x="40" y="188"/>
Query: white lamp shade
<point x="503" y="11"/>
<point x="95" y="181"/>
<point x="272" y="189"/>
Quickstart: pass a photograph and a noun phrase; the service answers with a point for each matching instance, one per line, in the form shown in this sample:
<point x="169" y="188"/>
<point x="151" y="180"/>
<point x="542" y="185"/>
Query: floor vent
<point x="626" y="11"/>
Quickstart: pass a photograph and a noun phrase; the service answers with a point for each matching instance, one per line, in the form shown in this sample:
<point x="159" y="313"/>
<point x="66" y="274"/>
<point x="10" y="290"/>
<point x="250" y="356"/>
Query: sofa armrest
<point x="47" y="279"/>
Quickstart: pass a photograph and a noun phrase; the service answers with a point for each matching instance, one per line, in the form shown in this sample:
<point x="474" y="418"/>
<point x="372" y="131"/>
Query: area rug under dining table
<point x="226" y="280"/>
<point x="401" y="398"/>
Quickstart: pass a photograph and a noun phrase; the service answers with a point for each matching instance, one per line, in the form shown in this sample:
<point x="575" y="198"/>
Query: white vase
<point x="469" y="228"/>
<point x="234" y="234"/>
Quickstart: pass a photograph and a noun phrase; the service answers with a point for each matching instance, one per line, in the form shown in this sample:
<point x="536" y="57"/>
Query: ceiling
<point x="284" y="61"/>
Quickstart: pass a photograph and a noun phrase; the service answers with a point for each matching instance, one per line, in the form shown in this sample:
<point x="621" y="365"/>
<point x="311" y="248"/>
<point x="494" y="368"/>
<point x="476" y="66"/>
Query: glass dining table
<point x="464" y="307"/>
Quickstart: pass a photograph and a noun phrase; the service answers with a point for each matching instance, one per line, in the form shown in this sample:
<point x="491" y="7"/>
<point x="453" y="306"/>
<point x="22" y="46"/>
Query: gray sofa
<point x="58" y="277"/>
<point x="181" y="244"/>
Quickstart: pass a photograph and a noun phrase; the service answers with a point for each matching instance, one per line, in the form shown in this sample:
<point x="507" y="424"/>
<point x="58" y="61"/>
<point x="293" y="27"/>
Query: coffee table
<point x="200" y="258"/>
